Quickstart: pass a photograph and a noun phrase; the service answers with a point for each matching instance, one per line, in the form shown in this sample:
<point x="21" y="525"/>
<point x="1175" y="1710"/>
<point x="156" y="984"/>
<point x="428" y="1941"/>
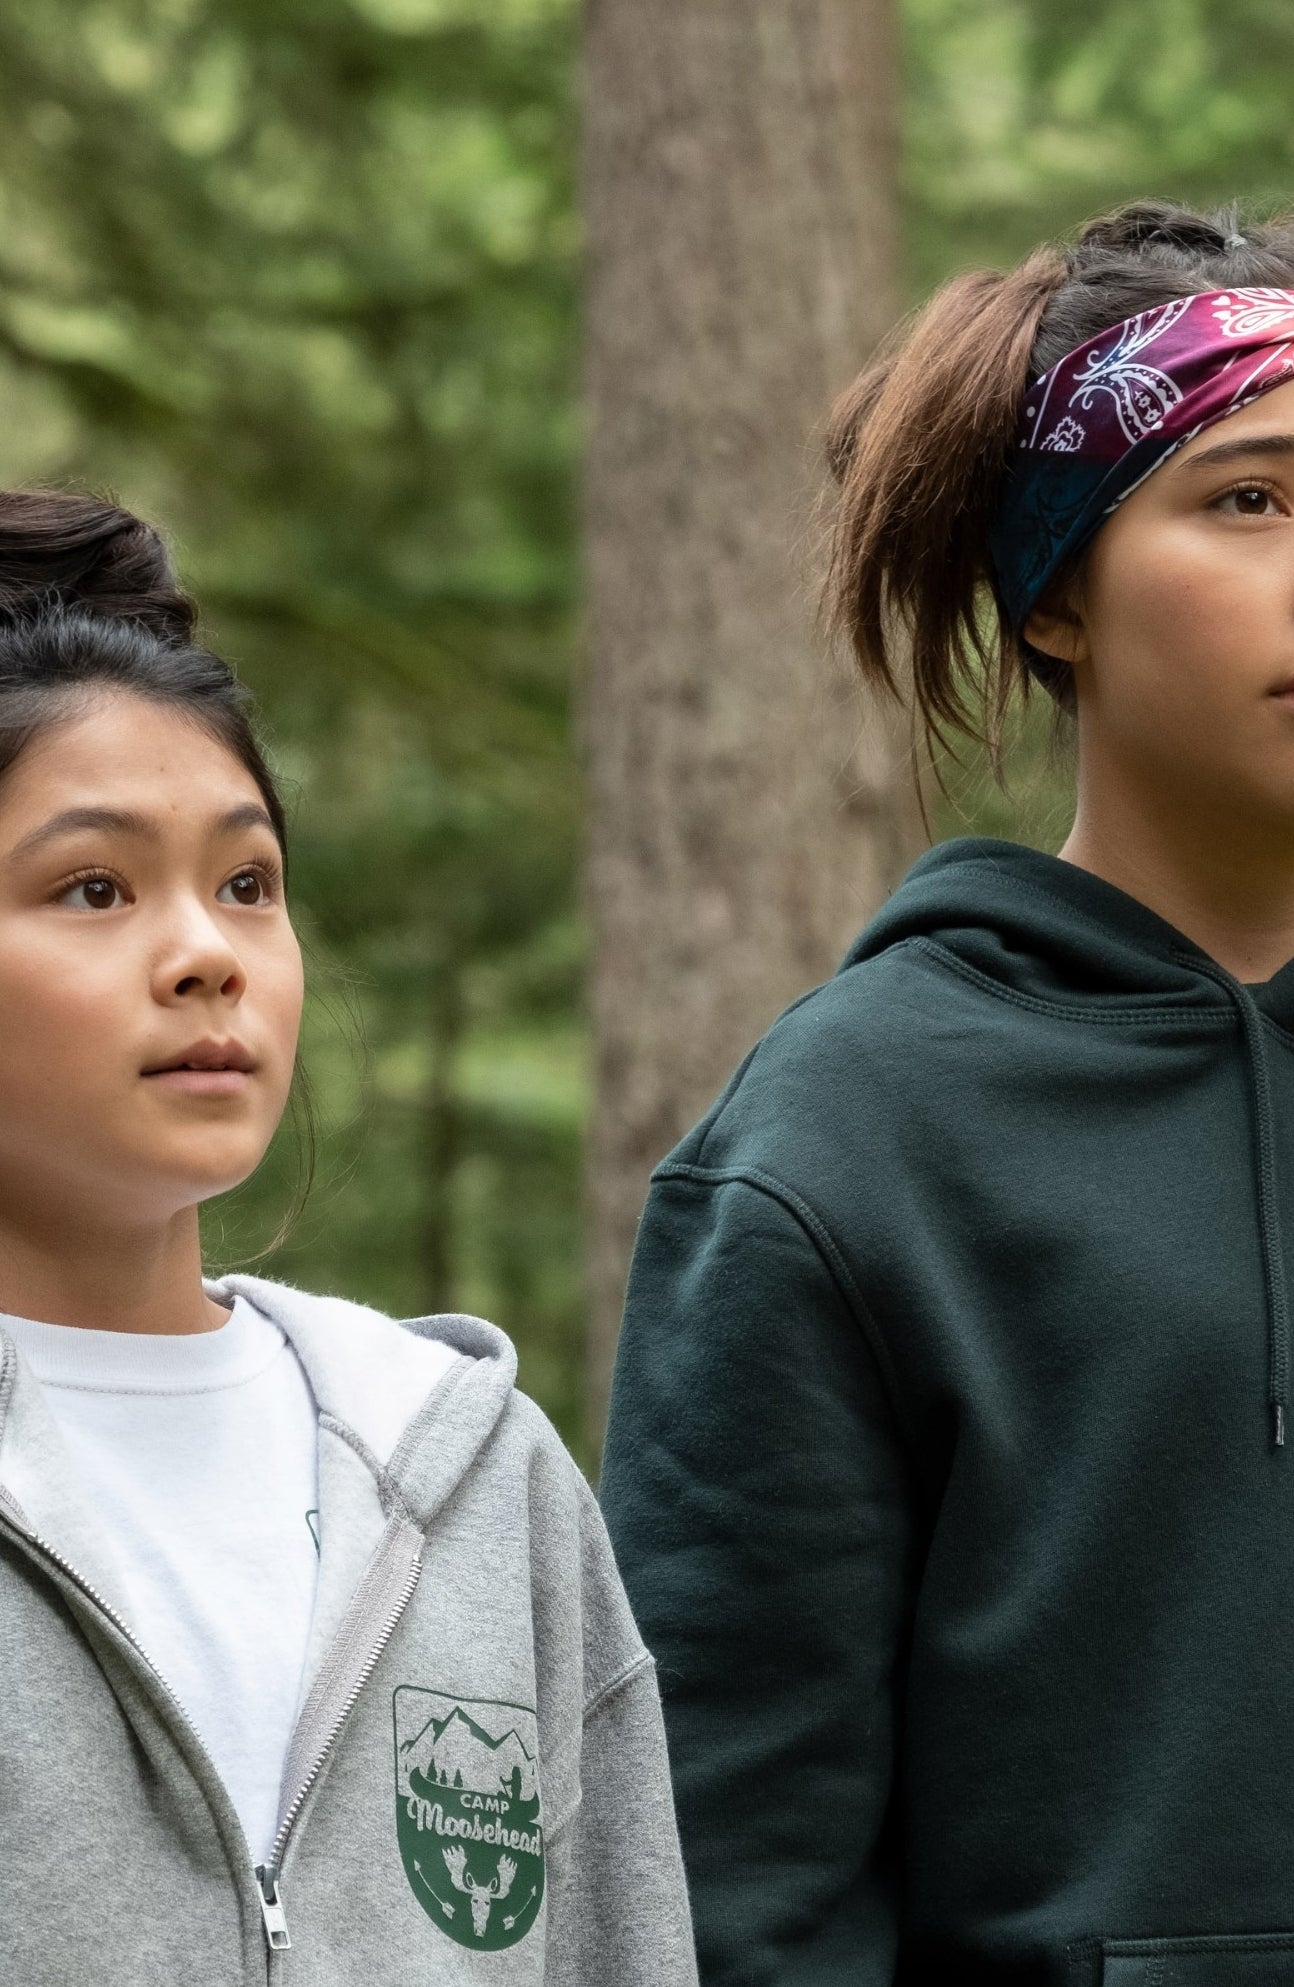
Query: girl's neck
<point x="1228" y="886"/>
<point x="108" y="1279"/>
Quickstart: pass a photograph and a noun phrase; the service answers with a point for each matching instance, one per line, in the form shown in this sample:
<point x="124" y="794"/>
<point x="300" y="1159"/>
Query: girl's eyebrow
<point x="1209" y="458"/>
<point x="120" y="821"/>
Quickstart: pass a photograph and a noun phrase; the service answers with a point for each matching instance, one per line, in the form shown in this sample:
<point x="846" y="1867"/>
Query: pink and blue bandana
<point x="1109" y="413"/>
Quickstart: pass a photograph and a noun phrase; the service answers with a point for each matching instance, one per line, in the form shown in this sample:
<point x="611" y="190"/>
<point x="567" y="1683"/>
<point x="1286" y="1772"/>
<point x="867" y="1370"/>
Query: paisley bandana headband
<point x="1109" y="413"/>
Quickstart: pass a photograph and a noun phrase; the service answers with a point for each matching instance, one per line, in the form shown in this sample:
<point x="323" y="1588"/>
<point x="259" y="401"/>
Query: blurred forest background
<point x="302" y="281"/>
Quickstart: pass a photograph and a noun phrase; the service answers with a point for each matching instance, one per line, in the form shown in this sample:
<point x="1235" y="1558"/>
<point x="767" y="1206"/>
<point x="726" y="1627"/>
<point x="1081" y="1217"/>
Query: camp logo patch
<point x="467" y="1814"/>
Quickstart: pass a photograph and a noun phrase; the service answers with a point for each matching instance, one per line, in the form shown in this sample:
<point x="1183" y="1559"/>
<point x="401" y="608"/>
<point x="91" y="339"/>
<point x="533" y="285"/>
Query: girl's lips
<point x="202" y="1082"/>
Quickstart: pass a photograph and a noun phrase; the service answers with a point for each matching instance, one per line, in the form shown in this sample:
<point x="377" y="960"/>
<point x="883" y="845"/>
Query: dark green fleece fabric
<point x="945" y="1469"/>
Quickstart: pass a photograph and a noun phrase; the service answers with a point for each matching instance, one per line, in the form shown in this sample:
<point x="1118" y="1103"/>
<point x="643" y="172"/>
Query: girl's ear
<point x="1056" y="627"/>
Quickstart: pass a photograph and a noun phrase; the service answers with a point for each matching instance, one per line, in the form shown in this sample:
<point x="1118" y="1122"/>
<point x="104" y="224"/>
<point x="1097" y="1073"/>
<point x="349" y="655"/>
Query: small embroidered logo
<point x="468" y="1814"/>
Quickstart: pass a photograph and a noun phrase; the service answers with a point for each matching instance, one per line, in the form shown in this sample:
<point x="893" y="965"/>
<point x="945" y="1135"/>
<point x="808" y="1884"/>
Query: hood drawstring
<point x="1269" y="1223"/>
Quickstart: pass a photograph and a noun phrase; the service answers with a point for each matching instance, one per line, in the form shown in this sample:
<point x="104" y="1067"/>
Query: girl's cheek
<point x="1174" y="608"/>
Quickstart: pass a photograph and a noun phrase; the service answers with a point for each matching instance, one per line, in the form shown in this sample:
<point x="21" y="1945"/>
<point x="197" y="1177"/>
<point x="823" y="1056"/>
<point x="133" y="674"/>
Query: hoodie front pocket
<point x="1247" y="1959"/>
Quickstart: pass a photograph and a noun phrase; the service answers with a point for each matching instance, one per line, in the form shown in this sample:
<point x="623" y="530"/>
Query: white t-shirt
<point x="198" y="1456"/>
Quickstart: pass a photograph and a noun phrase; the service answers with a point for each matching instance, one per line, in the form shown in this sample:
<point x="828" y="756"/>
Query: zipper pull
<point x="276" y="1924"/>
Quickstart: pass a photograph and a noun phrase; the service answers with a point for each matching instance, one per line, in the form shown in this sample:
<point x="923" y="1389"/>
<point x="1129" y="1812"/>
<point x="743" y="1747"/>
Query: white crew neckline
<point x="75" y="1357"/>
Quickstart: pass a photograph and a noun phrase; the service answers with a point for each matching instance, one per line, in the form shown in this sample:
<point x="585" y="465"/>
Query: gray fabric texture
<point x="477" y="1790"/>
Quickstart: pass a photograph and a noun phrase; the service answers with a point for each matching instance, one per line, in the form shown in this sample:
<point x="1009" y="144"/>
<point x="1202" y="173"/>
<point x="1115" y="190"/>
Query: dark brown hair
<point x="920" y="443"/>
<point x="89" y="601"/>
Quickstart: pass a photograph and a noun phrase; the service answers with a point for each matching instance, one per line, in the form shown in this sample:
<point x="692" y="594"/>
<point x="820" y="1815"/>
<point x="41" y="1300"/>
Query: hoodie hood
<point x="406" y="1410"/>
<point x="1053" y="932"/>
<point x="417" y="1398"/>
<point x="1042" y="930"/>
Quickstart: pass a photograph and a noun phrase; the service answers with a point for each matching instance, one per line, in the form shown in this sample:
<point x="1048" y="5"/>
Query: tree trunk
<point x="746" y="817"/>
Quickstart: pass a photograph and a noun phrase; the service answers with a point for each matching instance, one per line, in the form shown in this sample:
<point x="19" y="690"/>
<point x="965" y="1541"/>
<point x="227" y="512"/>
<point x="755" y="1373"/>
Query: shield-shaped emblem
<point x="467" y="1814"/>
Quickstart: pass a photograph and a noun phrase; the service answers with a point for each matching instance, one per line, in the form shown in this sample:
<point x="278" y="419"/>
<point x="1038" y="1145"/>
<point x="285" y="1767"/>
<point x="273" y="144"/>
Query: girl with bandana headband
<point x="948" y="1464"/>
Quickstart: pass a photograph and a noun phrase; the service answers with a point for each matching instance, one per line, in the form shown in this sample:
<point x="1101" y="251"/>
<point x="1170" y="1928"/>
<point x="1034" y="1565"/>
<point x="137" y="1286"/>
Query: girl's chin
<point x="169" y="1183"/>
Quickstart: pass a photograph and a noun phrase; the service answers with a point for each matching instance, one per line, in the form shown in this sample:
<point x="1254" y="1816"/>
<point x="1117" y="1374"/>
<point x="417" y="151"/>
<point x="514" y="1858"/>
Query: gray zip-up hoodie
<point x="476" y="1790"/>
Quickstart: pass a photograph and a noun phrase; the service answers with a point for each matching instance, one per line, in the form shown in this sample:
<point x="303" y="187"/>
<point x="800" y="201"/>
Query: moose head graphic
<point x="482" y="1895"/>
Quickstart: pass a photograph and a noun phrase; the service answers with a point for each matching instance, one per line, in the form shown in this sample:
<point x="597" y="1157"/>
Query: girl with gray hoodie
<point x="316" y="1666"/>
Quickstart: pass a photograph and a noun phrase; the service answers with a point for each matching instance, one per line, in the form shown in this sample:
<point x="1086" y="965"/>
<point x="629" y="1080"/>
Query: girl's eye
<point x="249" y="888"/>
<point x="100" y="892"/>
<point x="96" y="893"/>
<point x="1250" y="500"/>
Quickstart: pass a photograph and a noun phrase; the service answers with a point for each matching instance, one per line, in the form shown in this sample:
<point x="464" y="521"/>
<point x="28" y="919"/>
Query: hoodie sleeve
<point x="618" y="1908"/>
<point x="760" y="1505"/>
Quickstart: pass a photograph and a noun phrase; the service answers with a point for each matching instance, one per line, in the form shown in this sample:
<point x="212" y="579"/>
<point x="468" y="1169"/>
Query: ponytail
<point x="918" y="446"/>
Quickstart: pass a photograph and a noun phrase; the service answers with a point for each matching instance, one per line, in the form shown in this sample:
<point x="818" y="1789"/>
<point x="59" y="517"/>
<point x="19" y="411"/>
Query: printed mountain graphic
<point x="454" y="1752"/>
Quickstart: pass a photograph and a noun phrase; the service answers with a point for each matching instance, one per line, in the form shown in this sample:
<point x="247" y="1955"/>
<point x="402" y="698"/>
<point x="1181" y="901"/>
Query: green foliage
<point x="1028" y="115"/>
<point x="301" y="281"/>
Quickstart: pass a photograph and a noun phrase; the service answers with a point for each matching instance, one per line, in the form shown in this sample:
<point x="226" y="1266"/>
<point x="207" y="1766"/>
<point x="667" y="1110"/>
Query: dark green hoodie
<point x="946" y="1467"/>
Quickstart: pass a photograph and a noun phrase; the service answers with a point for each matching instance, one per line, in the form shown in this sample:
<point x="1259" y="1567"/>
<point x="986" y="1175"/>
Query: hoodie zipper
<point x="105" y="1607"/>
<point x="273" y="1916"/>
<point x="268" y="1874"/>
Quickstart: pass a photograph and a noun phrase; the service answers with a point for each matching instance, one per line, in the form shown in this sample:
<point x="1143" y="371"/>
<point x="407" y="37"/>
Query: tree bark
<point x="746" y="816"/>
